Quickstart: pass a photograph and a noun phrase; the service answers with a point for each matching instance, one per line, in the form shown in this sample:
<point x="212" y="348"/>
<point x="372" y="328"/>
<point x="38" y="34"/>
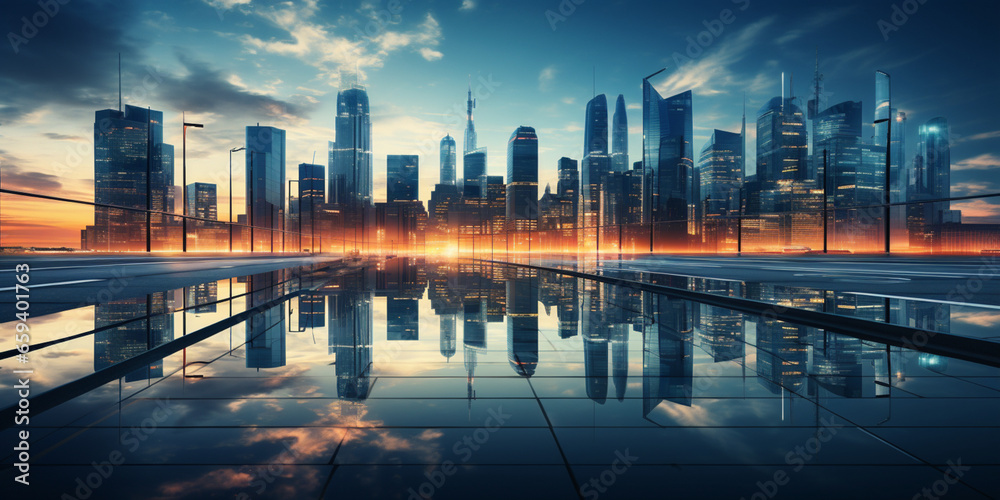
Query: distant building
<point x="474" y="168"/>
<point x="522" y="187"/>
<point x="668" y="155"/>
<point x="720" y="175"/>
<point x="448" y="160"/>
<point x="619" y="137"/>
<point x="202" y="202"/>
<point x="596" y="165"/>
<point x="403" y="178"/>
<point x="265" y="187"/>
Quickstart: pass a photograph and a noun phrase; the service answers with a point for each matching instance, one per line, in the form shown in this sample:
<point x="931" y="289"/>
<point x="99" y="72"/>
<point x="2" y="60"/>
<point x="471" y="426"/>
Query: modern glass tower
<point x="596" y="165"/>
<point x="312" y="192"/>
<point x="403" y="179"/>
<point x="448" y="160"/>
<point x="474" y="167"/>
<point x="931" y="181"/>
<point x="127" y="145"/>
<point x="202" y="202"/>
<point x="720" y="174"/>
<point x="851" y="181"/>
<point x="568" y="191"/>
<point x="470" y="126"/>
<point x="619" y="137"/>
<point x="782" y="143"/>
<point x="522" y="185"/>
<point x="265" y="186"/>
<point x="351" y="155"/>
<point x="668" y="156"/>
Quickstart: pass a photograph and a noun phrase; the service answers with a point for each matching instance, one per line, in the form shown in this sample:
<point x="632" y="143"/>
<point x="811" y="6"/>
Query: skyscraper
<point x="127" y="145"/>
<point x="720" y="174"/>
<point x="473" y="167"/>
<point x="851" y="181"/>
<point x="312" y="192"/>
<point x="265" y="186"/>
<point x="596" y="165"/>
<point x="522" y="185"/>
<point x="784" y="191"/>
<point x="931" y="181"/>
<point x="470" y="126"/>
<point x="619" y="137"/>
<point x="568" y="191"/>
<point x="668" y="156"/>
<point x="351" y="154"/>
<point x="782" y="143"/>
<point x="202" y="202"/>
<point x="448" y="160"/>
<point x="403" y="178"/>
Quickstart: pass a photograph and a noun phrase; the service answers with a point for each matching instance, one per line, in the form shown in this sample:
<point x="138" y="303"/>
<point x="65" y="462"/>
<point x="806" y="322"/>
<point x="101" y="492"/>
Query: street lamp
<point x="184" y="244"/>
<point x="231" y="151"/>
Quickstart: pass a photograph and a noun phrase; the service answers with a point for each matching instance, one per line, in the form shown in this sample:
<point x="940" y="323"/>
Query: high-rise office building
<point x="931" y="181"/>
<point x="474" y="167"/>
<point x="668" y="156"/>
<point x="312" y="192"/>
<point x="202" y="202"/>
<point x="127" y="146"/>
<point x="448" y="160"/>
<point x="351" y="155"/>
<point x="403" y="178"/>
<point x="619" y="137"/>
<point x="265" y="186"/>
<point x="782" y="143"/>
<point x="522" y="186"/>
<point x="568" y="191"/>
<point x="596" y="165"/>
<point x="720" y="174"/>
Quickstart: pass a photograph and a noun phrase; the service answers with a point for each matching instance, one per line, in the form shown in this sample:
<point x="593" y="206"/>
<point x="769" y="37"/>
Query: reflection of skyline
<point x="126" y="341"/>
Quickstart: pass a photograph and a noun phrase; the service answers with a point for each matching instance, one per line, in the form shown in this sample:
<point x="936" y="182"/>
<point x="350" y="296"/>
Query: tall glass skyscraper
<point x="596" y="165"/>
<point x="782" y="143"/>
<point x="201" y="201"/>
<point x="931" y="180"/>
<point x="668" y="156"/>
<point x="470" y="125"/>
<point x="448" y="160"/>
<point x="127" y="145"/>
<point x="265" y="186"/>
<point x="522" y="184"/>
<point x="619" y="137"/>
<point x="351" y="154"/>
<point x="720" y="174"/>
<point x="474" y="168"/>
<point x="403" y="179"/>
<point x="312" y="192"/>
<point x="850" y="180"/>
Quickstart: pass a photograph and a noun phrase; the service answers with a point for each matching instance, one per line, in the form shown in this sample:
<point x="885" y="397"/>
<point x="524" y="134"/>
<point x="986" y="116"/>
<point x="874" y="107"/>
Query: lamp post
<point x="184" y="127"/>
<point x="231" y="151"/>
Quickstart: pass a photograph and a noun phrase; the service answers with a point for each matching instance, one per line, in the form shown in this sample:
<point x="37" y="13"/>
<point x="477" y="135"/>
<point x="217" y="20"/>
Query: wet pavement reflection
<point x="419" y="379"/>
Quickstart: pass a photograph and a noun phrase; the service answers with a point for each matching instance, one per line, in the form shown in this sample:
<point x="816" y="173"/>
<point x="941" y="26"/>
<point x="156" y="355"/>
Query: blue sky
<point x="232" y="63"/>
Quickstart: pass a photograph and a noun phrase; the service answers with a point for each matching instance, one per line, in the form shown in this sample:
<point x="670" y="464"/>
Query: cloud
<point x="329" y="48"/>
<point x="970" y="188"/>
<point x="14" y="177"/>
<point x="810" y="25"/>
<point x="220" y="93"/>
<point x="467" y="5"/>
<point x="984" y="161"/>
<point x="710" y="73"/>
<point x="546" y="77"/>
<point x="63" y="137"/>
<point x="978" y="137"/>
<point x="977" y="209"/>
<point x="430" y="54"/>
<point x="44" y="72"/>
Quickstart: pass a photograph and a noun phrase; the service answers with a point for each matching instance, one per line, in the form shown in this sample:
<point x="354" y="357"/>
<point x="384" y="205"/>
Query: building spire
<point x="119" y="82"/>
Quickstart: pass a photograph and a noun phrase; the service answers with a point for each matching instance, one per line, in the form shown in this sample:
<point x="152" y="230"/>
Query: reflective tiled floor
<point x="408" y="379"/>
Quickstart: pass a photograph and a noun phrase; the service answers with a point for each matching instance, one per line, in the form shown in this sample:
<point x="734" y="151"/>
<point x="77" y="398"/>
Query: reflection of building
<point x="201" y="298"/>
<point x="127" y="341"/>
<point x="265" y="330"/>
<point x="350" y="334"/>
<point x="312" y="310"/>
<point x="127" y="145"/>
<point x="522" y="323"/>
<point x="667" y="355"/>
<point x="403" y="319"/>
<point x="594" y="330"/>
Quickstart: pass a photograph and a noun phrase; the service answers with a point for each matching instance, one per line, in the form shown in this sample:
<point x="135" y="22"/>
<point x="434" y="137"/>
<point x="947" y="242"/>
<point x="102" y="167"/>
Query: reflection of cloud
<point x="985" y="319"/>
<point x="984" y="161"/>
<point x="978" y="137"/>
<point x="970" y="188"/>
